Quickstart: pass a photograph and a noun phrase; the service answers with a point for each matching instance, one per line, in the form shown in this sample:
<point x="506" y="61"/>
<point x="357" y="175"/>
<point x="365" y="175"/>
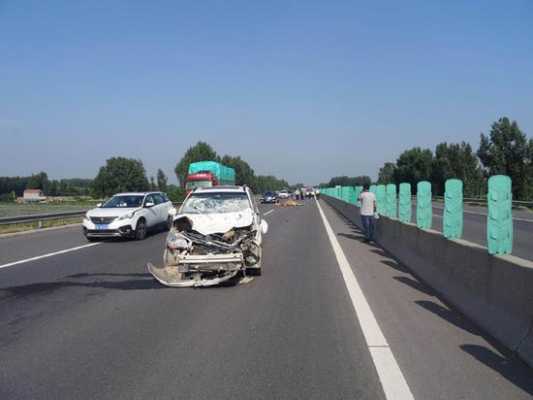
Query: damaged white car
<point x="216" y="235"/>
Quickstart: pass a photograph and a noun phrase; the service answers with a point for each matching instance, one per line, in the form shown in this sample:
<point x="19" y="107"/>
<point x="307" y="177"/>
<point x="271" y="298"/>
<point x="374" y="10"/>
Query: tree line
<point x="14" y="186"/>
<point x="506" y="150"/>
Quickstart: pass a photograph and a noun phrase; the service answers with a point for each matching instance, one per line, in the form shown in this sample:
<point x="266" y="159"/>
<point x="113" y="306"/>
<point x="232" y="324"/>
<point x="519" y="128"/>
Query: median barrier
<point x="495" y="291"/>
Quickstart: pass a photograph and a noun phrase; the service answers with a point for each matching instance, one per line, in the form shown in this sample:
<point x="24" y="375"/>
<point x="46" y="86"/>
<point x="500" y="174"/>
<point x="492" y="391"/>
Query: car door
<point x="162" y="209"/>
<point x="151" y="213"/>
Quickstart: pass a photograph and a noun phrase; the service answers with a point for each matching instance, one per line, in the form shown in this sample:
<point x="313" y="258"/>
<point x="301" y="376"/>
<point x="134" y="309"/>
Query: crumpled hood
<point x="208" y="224"/>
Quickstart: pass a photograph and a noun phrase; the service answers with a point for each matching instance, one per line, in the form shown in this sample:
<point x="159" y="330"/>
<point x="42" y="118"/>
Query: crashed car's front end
<point x="193" y="259"/>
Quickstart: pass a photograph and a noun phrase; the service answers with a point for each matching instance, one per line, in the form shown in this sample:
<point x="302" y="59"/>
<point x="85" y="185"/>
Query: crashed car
<point x="216" y="235"/>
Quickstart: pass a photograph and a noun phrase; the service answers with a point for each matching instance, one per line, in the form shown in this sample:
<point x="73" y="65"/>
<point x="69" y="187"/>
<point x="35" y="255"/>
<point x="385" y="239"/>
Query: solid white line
<point x="48" y="255"/>
<point x="268" y="212"/>
<point x="392" y="380"/>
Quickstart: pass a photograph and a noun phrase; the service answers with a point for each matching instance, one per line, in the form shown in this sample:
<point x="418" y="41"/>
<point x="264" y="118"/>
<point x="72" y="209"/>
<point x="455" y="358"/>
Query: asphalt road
<point x="92" y="324"/>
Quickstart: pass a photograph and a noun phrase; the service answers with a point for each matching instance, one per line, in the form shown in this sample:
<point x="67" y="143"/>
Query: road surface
<point x="88" y="322"/>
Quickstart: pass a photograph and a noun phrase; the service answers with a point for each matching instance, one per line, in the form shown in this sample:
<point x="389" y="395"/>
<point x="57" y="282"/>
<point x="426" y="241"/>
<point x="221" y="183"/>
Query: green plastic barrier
<point x="453" y="209"/>
<point x="381" y="196"/>
<point x="391" y="201"/>
<point x="405" y="202"/>
<point x="338" y="189"/>
<point x="424" y="210"/>
<point x="500" y="216"/>
<point x="372" y="189"/>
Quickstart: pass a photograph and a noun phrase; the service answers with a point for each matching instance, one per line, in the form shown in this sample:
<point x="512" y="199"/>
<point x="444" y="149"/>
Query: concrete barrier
<point x="496" y="292"/>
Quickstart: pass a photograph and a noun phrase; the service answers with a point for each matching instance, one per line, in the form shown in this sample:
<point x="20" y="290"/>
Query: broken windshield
<point x="210" y="203"/>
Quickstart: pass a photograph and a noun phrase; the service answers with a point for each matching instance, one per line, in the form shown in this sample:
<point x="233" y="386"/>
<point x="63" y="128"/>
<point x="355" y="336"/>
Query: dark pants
<point x="368" y="226"/>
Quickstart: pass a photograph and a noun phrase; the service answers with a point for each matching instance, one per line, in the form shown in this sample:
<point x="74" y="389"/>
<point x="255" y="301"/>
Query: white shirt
<point x="367" y="199"/>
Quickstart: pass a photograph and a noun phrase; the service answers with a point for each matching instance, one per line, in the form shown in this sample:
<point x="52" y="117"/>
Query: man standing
<point x="368" y="208"/>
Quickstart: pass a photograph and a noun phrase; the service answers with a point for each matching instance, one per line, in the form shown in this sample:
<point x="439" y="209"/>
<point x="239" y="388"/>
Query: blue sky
<point x="304" y="90"/>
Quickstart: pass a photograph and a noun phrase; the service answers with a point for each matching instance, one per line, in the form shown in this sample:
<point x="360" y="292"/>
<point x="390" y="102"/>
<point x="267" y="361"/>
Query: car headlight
<point x="87" y="217"/>
<point x="127" y="216"/>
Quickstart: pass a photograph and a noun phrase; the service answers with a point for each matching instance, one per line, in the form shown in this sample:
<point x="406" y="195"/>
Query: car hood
<point x="208" y="224"/>
<point x="110" y="212"/>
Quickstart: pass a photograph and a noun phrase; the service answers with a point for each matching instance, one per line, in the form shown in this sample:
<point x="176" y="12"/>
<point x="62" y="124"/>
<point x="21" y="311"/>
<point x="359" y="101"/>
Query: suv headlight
<point x="127" y="216"/>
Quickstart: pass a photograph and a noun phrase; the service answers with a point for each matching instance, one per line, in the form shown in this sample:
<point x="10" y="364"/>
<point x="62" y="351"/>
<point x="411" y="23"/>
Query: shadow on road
<point x="415" y="285"/>
<point x="449" y="315"/>
<point x="511" y="369"/>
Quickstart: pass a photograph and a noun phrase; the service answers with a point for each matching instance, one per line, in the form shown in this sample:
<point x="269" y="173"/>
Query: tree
<point x="386" y="173"/>
<point x="244" y="174"/>
<point x="361" y="180"/>
<point x="507" y="151"/>
<point x="413" y="166"/>
<point x="161" y="180"/>
<point x="152" y="183"/>
<point x="269" y="183"/>
<point x="120" y="174"/>
<point x="175" y="193"/>
<point x="456" y="160"/>
<point x="38" y="181"/>
<point x="201" y="151"/>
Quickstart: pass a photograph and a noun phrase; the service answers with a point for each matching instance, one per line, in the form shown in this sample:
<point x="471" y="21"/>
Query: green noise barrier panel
<point x="391" y="201"/>
<point x="405" y="208"/>
<point x="424" y="211"/>
<point x="453" y="209"/>
<point x="381" y="196"/>
<point x="338" y="189"/>
<point x="500" y="217"/>
<point x="358" y="191"/>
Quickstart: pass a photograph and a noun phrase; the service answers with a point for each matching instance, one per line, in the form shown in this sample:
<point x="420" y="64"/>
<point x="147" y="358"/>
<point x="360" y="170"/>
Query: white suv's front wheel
<point x="140" y="230"/>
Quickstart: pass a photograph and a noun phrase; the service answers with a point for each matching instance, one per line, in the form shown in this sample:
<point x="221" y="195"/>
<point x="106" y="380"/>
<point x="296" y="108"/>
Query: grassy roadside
<point x="28" y="226"/>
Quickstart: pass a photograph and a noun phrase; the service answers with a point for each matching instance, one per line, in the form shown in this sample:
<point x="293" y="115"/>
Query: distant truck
<point x="207" y="174"/>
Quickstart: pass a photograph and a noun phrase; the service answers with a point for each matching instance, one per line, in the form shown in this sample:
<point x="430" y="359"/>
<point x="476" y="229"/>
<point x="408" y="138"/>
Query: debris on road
<point x="288" y="203"/>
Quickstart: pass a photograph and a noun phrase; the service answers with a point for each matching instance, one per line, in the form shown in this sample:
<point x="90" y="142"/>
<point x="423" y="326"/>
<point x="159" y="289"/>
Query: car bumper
<point x="114" y="229"/>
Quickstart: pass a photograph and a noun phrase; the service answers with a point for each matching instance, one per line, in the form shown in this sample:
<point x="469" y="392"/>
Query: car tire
<point x="140" y="229"/>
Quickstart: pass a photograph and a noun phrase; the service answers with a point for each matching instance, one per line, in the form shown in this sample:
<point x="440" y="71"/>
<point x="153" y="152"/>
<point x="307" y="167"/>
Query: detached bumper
<point x="199" y="270"/>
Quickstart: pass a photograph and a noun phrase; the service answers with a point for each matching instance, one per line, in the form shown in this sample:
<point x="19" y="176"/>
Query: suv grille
<point x="102" y="220"/>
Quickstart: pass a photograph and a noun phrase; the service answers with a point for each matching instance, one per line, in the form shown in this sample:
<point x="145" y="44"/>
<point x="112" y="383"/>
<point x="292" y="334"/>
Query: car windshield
<point x="132" y="201"/>
<point x="213" y="203"/>
<point x="269" y="194"/>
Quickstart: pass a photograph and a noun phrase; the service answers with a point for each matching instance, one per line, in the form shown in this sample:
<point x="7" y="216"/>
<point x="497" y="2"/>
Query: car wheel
<point x="140" y="230"/>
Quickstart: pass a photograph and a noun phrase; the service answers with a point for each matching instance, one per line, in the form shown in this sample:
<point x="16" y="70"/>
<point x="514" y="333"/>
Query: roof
<point x="221" y="188"/>
<point x="134" y="193"/>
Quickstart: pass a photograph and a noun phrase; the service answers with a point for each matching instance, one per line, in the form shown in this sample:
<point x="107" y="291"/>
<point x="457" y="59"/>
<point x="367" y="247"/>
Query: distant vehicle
<point x="128" y="215"/>
<point x="284" y="194"/>
<point x="269" y="197"/>
<point x="208" y="174"/>
<point x="216" y="235"/>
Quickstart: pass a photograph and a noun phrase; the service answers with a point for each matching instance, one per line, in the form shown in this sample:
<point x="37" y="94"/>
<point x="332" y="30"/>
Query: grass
<point x="28" y="226"/>
<point x="14" y="209"/>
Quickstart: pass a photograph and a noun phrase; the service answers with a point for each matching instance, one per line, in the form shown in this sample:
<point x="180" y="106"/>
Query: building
<point x="33" y="195"/>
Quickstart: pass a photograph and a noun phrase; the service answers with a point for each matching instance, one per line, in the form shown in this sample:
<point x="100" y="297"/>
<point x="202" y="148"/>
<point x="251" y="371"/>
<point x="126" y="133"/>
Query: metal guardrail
<point x="19" y="219"/>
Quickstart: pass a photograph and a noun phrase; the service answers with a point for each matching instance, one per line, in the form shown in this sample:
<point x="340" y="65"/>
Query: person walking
<point x="367" y="211"/>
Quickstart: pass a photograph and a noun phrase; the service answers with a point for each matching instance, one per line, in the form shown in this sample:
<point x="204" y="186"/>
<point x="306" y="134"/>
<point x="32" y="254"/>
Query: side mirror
<point x="98" y="205"/>
<point x="148" y="204"/>
<point x="264" y="227"/>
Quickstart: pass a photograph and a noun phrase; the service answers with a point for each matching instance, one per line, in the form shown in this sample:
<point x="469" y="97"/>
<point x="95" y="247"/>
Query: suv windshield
<point x="210" y="203"/>
<point x="124" y="202"/>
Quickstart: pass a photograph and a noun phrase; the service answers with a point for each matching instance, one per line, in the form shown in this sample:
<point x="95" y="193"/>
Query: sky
<point x="303" y="90"/>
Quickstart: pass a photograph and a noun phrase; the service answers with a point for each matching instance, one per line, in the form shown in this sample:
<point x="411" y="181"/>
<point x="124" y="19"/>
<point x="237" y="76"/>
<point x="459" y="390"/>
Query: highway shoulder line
<point x="268" y="212"/>
<point x="55" y="253"/>
<point x="391" y="377"/>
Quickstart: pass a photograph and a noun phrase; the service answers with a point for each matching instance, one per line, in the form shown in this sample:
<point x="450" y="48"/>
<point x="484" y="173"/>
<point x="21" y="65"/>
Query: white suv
<point x="128" y="215"/>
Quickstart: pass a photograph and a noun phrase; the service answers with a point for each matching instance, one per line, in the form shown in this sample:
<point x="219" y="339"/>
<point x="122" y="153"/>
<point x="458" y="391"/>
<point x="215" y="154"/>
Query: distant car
<point x="269" y="197"/>
<point x="284" y="194"/>
<point x="128" y="215"/>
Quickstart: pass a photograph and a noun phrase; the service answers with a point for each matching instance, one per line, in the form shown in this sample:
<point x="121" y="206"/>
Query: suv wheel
<point x="140" y="230"/>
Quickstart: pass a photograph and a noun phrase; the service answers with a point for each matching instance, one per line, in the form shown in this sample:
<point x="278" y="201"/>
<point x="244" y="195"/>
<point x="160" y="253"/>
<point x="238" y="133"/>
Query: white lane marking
<point x="392" y="380"/>
<point x="48" y="255"/>
<point x="268" y="212"/>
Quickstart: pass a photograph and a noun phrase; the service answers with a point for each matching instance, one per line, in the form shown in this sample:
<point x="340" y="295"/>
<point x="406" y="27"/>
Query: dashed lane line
<point x="55" y="253"/>
<point x="391" y="377"/>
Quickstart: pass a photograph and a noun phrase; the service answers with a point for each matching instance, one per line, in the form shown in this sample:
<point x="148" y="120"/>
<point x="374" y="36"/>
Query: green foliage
<point x="120" y="174"/>
<point x="175" y="193"/>
<point x="507" y="151"/>
<point x="458" y="161"/>
<point x="244" y="174"/>
<point x="268" y="183"/>
<point x="349" y="181"/>
<point x="201" y="151"/>
<point x="161" y="180"/>
<point x="8" y="197"/>
<point x="39" y="181"/>
<point x="386" y="173"/>
<point x="413" y="165"/>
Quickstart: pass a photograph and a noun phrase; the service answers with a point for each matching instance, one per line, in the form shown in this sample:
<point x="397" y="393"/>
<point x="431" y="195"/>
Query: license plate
<point x="101" y="227"/>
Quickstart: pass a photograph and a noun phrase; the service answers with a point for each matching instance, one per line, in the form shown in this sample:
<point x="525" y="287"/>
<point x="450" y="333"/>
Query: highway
<point x="87" y="322"/>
